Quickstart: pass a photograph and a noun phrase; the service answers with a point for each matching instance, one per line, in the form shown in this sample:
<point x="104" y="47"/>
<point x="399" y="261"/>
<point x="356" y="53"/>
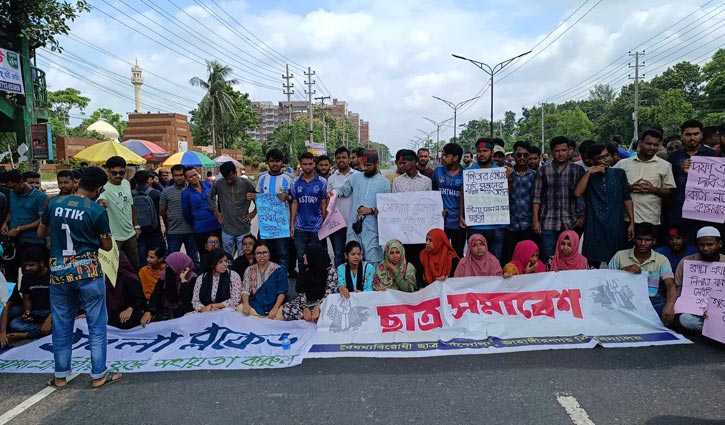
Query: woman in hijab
<point x="125" y="300"/>
<point x="567" y="256"/>
<point x="439" y="259"/>
<point x="316" y="280"/>
<point x="478" y="260"/>
<point x="394" y="272"/>
<point x="525" y="260"/>
<point x="172" y="295"/>
<point x="218" y="287"/>
<point x="264" y="286"/>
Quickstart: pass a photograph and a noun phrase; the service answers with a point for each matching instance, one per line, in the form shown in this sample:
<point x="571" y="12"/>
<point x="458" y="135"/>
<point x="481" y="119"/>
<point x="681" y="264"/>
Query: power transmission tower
<point x="288" y="90"/>
<point x="324" y="121"/>
<point x="309" y="74"/>
<point x="635" y="114"/>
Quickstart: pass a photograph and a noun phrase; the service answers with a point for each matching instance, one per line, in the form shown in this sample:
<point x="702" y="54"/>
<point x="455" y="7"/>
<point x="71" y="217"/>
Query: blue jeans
<point x="494" y="238"/>
<point x="189" y="241"/>
<point x="338" y="240"/>
<point x="64" y="302"/>
<point x="278" y="251"/>
<point x="32" y="328"/>
<point x="548" y="244"/>
<point x="304" y="239"/>
<point x="146" y="242"/>
<point x="658" y="302"/>
<point x="232" y="244"/>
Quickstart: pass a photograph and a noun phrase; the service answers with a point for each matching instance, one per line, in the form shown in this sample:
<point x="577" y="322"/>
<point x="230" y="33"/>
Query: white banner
<point x="215" y="340"/>
<point x="574" y="309"/>
<point x="486" y="196"/>
<point x="408" y="216"/>
<point x="11" y="76"/>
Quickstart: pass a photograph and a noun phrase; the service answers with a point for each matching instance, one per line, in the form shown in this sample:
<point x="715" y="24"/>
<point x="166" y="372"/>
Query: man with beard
<point x="323" y="166"/>
<point x="522" y="190"/>
<point x="423" y="160"/>
<point x="467" y="159"/>
<point x="673" y="144"/>
<point x="535" y="158"/>
<point x="344" y="205"/>
<point x="356" y="159"/>
<point x="364" y="187"/>
<point x="709" y="244"/>
<point x="650" y="178"/>
<point x="681" y="161"/>
<point x="677" y="247"/>
<point x="448" y="179"/>
<point x="309" y="207"/>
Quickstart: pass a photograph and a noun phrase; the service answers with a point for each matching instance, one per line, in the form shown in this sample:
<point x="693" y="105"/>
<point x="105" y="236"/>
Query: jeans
<point x="494" y="238"/>
<point x="548" y="244"/>
<point x="189" y="242"/>
<point x="32" y="328"/>
<point x="278" y="251"/>
<point x="338" y="240"/>
<point x="304" y="239"/>
<point x="658" y="302"/>
<point x="692" y="322"/>
<point x="232" y="244"/>
<point x="90" y="294"/>
<point x="146" y="242"/>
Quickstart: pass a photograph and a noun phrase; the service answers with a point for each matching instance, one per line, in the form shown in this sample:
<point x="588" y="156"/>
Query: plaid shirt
<point x="520" y="203"/>
<point x="554" y="191"/>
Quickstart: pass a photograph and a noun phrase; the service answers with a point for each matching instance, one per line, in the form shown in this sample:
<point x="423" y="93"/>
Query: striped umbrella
<point x="145" y="149"/>
<point x="189" y="159"/>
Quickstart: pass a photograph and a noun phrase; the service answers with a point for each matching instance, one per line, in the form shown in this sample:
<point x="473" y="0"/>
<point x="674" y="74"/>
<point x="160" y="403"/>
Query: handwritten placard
<point x="273" y="216"/>
<point x="109" y="262"/>
<point x="705" y="190"/>
<point x="486" y="196"/>
<point x="334" y="220"/>
<point x="714" y="326"/>
<point x="699" y="280"/>
<point x="408" y="216"/>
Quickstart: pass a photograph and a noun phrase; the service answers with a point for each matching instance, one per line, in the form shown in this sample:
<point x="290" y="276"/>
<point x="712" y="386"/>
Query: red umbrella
<point x="145" y="149"/>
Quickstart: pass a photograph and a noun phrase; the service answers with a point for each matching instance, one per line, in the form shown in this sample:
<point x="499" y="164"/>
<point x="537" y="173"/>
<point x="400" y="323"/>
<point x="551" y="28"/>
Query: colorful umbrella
<point x="189" y="159"/>
<point x="101" y="151"/>
<point x="226" y="158"/>
<point x="145" y="149"/>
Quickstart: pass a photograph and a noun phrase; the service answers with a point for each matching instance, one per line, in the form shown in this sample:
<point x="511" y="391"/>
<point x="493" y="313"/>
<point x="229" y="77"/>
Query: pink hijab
<point x="486" y="265"/>
<point x="522" y="254"/>
<point x="575" y="261"/>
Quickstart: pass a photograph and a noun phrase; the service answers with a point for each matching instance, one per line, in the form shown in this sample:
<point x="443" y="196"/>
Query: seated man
<point x="35" y="286"/>
<point x="677" y="247"/>
<point x="642" y="258"/>
<point x="709" y="244"/>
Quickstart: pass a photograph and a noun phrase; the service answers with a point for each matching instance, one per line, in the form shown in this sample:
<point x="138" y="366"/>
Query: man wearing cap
<point x="494" y="232"/>
<point x="499" y="155"/>
<point x="677" y="247"/>
<point x="709" y="244"/>
<point x="228" y="201"/>
<point x="364" y="187"/>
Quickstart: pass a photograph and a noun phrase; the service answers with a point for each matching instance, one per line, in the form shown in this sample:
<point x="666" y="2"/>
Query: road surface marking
<point x="578" y="415"/>
<point x="28" y="403"/>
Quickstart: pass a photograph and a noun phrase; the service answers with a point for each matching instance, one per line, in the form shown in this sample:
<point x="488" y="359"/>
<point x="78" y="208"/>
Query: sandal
<point x="51" y="383"/>
<point x="108" y="379"/>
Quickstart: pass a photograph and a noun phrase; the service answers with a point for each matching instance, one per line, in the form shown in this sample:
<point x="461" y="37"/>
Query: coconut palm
<point x="216" y="105"/>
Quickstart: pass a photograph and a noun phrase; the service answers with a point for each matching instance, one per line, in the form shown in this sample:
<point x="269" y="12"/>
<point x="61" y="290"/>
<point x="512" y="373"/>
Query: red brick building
<point x="166" y="130"/>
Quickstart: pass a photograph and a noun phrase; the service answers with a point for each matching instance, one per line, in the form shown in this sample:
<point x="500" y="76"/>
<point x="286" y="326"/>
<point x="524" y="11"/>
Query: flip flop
<point x="110" y="378"/>
<point x="51" y="383"/>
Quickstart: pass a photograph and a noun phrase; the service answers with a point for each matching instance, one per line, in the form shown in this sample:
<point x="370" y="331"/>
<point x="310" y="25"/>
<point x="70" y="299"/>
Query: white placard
<point x="408" y="216"/>
<point x="11" y="75"/>
<point x="486" y="196"/>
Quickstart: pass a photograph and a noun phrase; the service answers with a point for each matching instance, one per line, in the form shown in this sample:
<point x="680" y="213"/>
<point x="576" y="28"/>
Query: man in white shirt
<point x="336" y="181"/>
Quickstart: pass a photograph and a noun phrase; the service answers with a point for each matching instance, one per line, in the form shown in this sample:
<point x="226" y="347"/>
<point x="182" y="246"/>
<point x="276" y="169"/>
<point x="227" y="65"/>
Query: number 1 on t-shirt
<point x="68" y="241"/>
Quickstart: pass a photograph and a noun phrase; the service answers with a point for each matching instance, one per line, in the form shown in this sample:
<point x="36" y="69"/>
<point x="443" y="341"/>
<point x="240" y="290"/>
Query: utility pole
<point x="542" y="128"/>
<point x="288" y="90"/>
<point x="309" y="74"/>
<point x="491" y="71"/>
<point x="324" y="121"/>
<point x="635" y="114"/>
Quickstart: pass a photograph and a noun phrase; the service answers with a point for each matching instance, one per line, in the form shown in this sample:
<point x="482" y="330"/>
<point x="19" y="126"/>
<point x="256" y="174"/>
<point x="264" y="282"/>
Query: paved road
<point x="676" y="385"/>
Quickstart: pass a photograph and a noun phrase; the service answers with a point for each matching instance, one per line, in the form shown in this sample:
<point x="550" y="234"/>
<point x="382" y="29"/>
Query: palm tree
<point x="216" y="105"/>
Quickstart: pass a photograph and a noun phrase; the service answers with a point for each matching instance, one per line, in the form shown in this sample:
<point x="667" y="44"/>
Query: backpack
<point x="146" y="213"/>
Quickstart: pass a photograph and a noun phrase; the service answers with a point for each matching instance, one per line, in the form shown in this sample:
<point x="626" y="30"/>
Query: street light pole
<point x="455" y="107"/>
<point x="491" y="71"/>
<point x="438" y="130"/>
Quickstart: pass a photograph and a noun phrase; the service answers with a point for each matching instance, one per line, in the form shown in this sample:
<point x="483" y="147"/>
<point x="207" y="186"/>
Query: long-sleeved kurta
<point x="604" y="228"/>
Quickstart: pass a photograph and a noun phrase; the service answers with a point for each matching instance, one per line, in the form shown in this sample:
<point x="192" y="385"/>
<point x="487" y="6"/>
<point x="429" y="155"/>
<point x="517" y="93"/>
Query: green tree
<point x="105" y="114"/>
<point x="217" y="107"/>
<point x="62" y="102"/>
<point x="669" y="111"/>
<point x="684" y="76"/>
<point x="232" y="135"/>
<point x="40" y="21"/>
<point x="574" y="124"/>
<point x="714" y="75"/>
<point x="603" y="92"/>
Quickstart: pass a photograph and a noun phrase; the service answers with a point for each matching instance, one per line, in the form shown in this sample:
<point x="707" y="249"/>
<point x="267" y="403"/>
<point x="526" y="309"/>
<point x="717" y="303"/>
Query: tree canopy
<point x="40" y="21"/>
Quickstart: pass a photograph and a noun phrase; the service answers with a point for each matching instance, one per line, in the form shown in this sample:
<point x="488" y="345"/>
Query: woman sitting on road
<point x="264" y="287"/>
<point x="218" y="287"/>
<point x="525" y="260"/>
<point x="439" y="259"/>
<point x="152" y="271"/>
<point x="246" y="258"/>
<point x="354" y="275"/>
<point x="394" y="272"/>
<point x="478" y="260"/>
<point x="567" y="256"/>
<point x="172" y="295"/>
<point x="316" y="280"/>
<point x="125" y="301"/>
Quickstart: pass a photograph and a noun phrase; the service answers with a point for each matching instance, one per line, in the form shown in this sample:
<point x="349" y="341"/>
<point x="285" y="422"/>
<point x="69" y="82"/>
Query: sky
<point x="387" y="59"/>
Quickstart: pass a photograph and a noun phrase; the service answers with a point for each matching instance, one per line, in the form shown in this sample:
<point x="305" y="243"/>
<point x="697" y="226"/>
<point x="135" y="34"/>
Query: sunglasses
<point x="522" y="154"/>
<point x="118" y="173"/>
